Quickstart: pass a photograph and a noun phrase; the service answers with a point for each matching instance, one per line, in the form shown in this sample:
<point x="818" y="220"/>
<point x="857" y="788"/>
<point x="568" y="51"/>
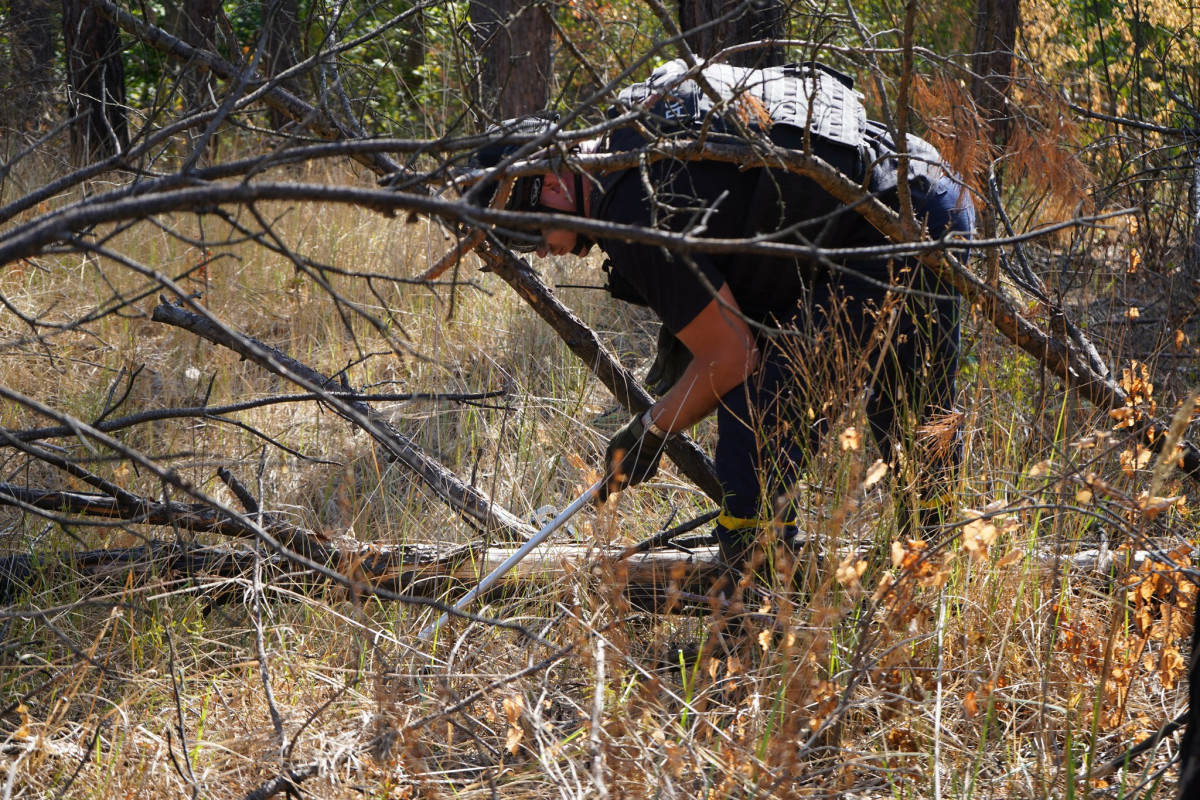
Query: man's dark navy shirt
<point x="719" y="201"/>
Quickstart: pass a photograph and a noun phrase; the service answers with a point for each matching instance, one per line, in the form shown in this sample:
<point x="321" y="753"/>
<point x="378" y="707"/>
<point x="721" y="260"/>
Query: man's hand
<point x="632" y="457"/>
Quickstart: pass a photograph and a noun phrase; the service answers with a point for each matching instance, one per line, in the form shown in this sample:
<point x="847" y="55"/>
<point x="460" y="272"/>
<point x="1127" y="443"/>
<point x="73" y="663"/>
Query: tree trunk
<point x="512" y="38"/>
<point x="1189" y="748"/>
<point x="196" y="24"/>
<point x="1195" y="249"/>
<point x="33" y="48"/>
<point x="96" y="83"/>
<point x="412" y="59"/>
<point x="281" y="28"/>
<point x="996" y="24"/>
<point x="748" y="21"/>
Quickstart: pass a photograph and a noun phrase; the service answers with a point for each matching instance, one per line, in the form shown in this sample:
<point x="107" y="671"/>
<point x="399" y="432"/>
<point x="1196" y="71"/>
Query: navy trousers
<point x="851" y="336"/>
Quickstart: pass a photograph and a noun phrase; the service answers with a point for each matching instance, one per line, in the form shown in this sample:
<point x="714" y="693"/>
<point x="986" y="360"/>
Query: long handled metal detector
<point x="512" y="560"/>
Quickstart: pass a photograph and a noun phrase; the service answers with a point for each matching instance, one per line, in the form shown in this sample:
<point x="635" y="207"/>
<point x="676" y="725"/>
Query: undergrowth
<point x="1035" y="639"/>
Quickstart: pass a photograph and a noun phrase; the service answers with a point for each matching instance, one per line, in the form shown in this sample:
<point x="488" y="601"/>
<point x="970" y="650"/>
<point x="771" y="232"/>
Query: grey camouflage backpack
<point x="755" y="101"/>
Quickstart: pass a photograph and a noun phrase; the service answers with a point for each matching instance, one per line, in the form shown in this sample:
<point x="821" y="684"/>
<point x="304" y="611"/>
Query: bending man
<point x="777" y="343"/>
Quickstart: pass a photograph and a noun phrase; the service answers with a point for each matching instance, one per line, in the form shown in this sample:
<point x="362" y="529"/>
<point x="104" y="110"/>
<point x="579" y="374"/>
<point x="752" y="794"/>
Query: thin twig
<point x="260" y="648"/>
<point x="287" y="782"/>
<point x="1147" y="744"/>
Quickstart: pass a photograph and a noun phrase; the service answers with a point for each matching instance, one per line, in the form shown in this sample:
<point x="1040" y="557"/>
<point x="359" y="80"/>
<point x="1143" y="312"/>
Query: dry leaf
<point x="850" y="440"/>
<point x="886" y="582"/>
<point x="23" y="732"/>
<point x="1138" y="458"/>
<point x="1010" y="558"/>
<point x="1153" y="506"/>
<point x="1121" y="414"/>
<point x="513" y="706"/>
<point x="849" y="571"/>
<point x="977" y="536"/>
<point x="512" y="742"/>
<point x="764" y="640"/>
<point x="1039" y="469"/>
<point x="875" y="473"/>
<point x="1171" y="667"/>
<point x="970" y="704"/>
<point x="935" y="579"/>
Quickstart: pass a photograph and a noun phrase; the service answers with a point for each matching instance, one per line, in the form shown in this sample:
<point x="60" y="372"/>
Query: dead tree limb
<point x="195" y="517"/>
<point x="656" y="580"/>
<point x="585" y="344"/>
<point x="217" y="412"/>
<point x="286" y="783"/>
<point x="469" y="501"/>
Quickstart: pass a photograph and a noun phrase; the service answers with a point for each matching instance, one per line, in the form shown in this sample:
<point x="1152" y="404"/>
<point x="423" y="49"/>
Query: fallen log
<point x="414" y="570"/>
<point x="654" y="580"/>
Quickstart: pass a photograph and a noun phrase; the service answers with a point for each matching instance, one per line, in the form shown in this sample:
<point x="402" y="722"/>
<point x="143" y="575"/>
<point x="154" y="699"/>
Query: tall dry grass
<point x="984" y="664"/>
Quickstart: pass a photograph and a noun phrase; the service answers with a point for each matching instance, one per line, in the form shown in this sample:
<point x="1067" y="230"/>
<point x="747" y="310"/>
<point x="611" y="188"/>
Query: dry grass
<point x="981" y="666"/>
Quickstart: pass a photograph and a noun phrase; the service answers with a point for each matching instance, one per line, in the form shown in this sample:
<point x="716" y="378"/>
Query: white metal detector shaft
<point x="512" y="560"/>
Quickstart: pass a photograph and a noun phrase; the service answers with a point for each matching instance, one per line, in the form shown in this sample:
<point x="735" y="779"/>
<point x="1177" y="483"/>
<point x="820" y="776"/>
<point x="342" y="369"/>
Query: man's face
<point x="557" y="195"/>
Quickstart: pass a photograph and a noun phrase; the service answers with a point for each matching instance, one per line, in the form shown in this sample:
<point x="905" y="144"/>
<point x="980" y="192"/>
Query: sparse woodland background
<point x="251" y="445"/>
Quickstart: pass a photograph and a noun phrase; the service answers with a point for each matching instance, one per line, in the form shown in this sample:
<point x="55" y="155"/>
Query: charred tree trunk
<point x="412" y="59"/>
<point x="32" y="53"/>
<point x="996" y="24"/>
<point x="96" y="83"/>
<point x="1189" y="748"/>
<point x="1194" y="151"/>
<point x="512" y="38"/>
<point x="195" y="22"/>
<point x="712" y="25"/>
<point x="281" y="28"/>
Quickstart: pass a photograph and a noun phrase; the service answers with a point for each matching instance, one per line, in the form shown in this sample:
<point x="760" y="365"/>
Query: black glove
<point x="670" y="360"/>
<point x="632" y="457"/>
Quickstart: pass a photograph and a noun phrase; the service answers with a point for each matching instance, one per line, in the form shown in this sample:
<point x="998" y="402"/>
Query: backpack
<point x="795" y="96"/>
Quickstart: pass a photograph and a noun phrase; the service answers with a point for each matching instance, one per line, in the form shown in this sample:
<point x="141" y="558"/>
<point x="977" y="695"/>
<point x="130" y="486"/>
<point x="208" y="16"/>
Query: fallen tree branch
<point x="469" y="501"/>
<point x="1149" y="743"/>
<point x="219" y="411"/>
<point x="194" y="517"/>
<point x="659" y="580"/>
<point x="287" y="782"/>
<point x="417" y="570"/>
<point x="663" y="538"/>
<point x="584" y="343"/>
